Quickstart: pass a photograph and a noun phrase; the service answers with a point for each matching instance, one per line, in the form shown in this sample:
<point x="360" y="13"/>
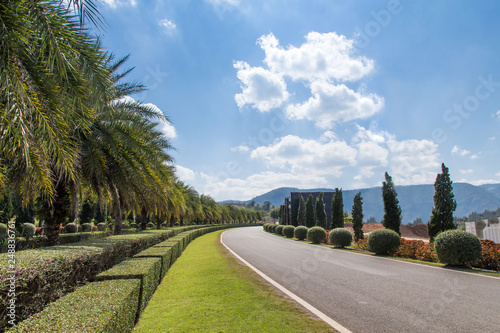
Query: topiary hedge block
<point x="104" y="306"/>
<point x="148" y="270"/>
<point x="163" y="253"/>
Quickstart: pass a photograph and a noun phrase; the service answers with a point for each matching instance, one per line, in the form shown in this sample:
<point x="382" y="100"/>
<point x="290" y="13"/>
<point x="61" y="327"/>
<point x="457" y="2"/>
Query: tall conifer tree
<point x="337" y="210"/>
<point x="301" y="214"/>
<point x="320" y="212"/>
<point x="444" y="204"/>
<point x="357" y="217"/>
<point x="310" y="219"/>
<point x="392" y="215"/>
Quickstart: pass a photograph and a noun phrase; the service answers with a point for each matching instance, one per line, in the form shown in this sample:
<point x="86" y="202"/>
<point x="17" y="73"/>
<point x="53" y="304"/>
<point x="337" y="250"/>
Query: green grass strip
<point x="207" y="290"/>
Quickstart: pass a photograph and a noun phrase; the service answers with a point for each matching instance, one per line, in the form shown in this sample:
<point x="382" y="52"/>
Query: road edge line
<point x="287" y="292"/>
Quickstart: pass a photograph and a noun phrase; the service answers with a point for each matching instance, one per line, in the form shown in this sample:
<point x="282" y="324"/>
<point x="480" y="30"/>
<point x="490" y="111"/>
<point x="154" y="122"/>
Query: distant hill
<point x="415" y="200"/>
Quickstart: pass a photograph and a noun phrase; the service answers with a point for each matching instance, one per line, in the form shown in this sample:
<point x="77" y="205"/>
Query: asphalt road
<point x="372" y="294"/>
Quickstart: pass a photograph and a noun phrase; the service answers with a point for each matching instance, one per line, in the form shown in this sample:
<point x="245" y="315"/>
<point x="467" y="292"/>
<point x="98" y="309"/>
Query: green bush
<point x="316" y="235"/>
<point x="300" y="232"/>
<point x="266" y="226"/>
<point x="133" y="225"/>
<point x="383" y="241"/>
<point x="29" y="230"/>
<point x="86" y="227"/>
<point x="279" y="230"/>
<point x="151" y="225"/>
<point x="3" y="231"/>
<point x="272" y="228"/>
<point x="340" y="237"/>
<point x="457" y="247"/>
<point x="164" y="253"/>
<point x="288" y="231"/>
<point x="104" y="306"/>
<point x="71" y="228"/>
<point x="101" y="226"/>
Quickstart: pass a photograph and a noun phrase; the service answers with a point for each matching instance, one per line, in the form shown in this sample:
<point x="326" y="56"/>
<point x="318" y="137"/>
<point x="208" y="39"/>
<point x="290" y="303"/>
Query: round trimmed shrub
<point x="316" y="235"/>
<point x="288" y="231"/>
<point x="279" y="230"/>
<point x="457" y="247"/>
<point x="266" y="226"/>
<point x="86" y="227"/>
<point x="340" y="237"/>
<point x="133" y="225"/>
<point x="71" y="228"/>
<point x="101" y="226"/>
<point x="383" y="241"/>
<point x="300" y="232"/>
<point x="3" y="230"/>
<point x="150" y="225"/>
<point x="29" y="230"/>
<point x="272" y="228"/>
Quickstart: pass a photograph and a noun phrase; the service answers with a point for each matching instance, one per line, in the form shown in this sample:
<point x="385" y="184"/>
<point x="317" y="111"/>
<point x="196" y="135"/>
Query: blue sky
<point x="264" y="94"/>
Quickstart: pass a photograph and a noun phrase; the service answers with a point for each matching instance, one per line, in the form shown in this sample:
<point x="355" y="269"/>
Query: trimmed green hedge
<point x="147" y="270"/>
<point x="164" y="254"/>
<point x="46" y="274"/>
<point x="104" y="306"/>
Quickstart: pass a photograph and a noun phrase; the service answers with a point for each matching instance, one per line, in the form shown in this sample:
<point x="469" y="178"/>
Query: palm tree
<point x="52" y="80"/>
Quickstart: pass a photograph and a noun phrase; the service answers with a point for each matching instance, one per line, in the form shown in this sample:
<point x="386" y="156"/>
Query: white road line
<point x="296" y="298"/>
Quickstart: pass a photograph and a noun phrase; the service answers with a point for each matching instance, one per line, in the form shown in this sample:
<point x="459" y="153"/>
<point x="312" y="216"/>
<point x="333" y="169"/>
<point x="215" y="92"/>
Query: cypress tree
<point x="337" y="210"/>
<point x="294" y="212"/>
<point x="444" y="204"/>
<point x="301" y="214"/>
<point x="392" y="210"/>
<point x="310" y="219"/>
<point x="357" y="217"/>
<point x="320" y="212"/>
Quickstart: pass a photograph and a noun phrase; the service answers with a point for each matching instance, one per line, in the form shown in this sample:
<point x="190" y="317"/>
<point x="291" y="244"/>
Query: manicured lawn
<point x="206" y="290"/>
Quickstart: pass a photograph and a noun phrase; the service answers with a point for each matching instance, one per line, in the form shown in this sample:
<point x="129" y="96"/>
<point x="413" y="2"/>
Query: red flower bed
<point x="361" y="244"/>
<point x="491" y="256"/>
<point x="416" y="249"/>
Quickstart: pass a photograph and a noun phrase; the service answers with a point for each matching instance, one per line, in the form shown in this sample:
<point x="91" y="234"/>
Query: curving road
<point x="373" y="294"/>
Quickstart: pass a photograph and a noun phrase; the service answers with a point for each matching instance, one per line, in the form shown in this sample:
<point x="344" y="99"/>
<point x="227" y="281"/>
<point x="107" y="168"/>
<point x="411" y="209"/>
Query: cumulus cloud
<point x="165" y="126"/>
<point x="241" y="149"/>
<point x="307" y="156"/>
<point x="261" y="88"/>
<point x="323" y="56"/>
<point x="414" y="161"/>
<point x="460" y="152"/>
<point x="256" y="184"/>
<point x="118" y="3"/>
<point x="184" y="174"/>
<point x="335" y="103"/>
<point x="168" y="26"/>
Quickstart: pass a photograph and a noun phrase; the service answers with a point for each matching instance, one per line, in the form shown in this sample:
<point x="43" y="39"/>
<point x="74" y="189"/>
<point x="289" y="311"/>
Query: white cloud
<point x="460" y="152"/>
<point x="167" y="26"/>
<point x="498" y="114"/>
<point x="261" y="88"/>
<point x="240" y="149"/>
<point x="224" y="3"/>
<point x="371" y="154"/>
<point x="166" y="127"/>
<point x="474" y="156"/>
<point x="256" y="184"/>
<point x="413" y="161"/>
<point x="324" y="56"/>
<point x="305" y="156"/>
<point x="480" y="182"/>
<point x="184" y="174"/>
<point x="335" y="103"/>
<point x="118" y="3"/>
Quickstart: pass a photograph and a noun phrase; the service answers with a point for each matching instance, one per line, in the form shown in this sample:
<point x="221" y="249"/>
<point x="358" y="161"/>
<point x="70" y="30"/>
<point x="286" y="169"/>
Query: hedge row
<point x="140" y="274"/>
<point x="44" y="275"/>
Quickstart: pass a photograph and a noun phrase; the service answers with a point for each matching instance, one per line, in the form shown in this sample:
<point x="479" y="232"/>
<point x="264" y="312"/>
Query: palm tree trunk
<point x="118" y="213"/>
<point x="54" y="215"/>
<point x="144" y="218"/>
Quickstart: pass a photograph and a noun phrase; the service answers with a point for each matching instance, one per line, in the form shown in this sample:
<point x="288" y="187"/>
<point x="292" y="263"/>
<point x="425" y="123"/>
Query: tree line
<point x="309" y="213"/>
<point x="69" y="130"/>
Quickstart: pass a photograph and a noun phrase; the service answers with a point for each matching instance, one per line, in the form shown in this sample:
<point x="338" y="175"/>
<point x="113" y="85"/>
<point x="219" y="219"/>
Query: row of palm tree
<point x="69" y="132"/>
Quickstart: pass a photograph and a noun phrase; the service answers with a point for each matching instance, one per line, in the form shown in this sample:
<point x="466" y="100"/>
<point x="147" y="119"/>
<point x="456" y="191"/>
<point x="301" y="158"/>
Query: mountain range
<point x="415" y="200"/>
